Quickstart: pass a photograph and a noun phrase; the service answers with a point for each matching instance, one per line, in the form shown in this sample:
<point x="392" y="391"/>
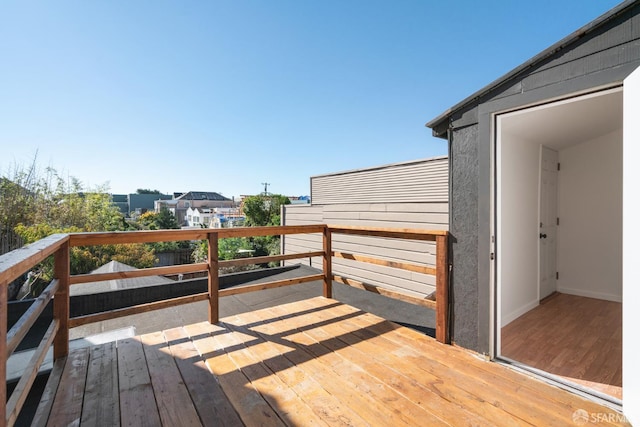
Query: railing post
<point x="3" y="351"/>
<point x="442" y="289"/>
<point x="214" y="280"/>
<point x="326" y="263"/>
<point x="61" y="301"/>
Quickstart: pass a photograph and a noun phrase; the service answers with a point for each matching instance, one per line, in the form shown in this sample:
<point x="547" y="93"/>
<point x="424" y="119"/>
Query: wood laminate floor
<point x="570" y="336"/>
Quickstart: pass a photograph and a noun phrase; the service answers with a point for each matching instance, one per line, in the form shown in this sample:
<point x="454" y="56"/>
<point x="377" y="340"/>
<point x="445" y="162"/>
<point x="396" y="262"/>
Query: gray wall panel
<point x="583" y="66"/>
<point x="612" y="34"/>
<point x="464" y="237"/>
<point x="403" y="195"/>
<point x="418" y="181"/>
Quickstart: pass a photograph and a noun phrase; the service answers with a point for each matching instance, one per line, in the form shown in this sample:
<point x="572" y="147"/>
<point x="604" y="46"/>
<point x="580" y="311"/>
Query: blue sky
<point x="225" y="95"/>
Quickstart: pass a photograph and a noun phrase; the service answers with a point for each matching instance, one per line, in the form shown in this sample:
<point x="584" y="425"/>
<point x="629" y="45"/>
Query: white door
<point x="631" y="249"/>
<point x="548" y="217"/>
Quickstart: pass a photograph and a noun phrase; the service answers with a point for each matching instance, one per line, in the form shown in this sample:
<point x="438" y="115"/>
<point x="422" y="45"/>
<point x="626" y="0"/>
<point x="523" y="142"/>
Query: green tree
<point x="228" y="248"/>
<point x="35" y="205"/>
<point x="165" y="220"/>
<point x="147" y="191"/>
<point x="148" y="220"/>
<point x="19" y="192"/>
<point x="263" y="210"/>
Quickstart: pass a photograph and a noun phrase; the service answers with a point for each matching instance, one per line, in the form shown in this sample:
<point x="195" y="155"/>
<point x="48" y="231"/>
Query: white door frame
<point x="496" y="291"/>
<point x="630" y="249"/>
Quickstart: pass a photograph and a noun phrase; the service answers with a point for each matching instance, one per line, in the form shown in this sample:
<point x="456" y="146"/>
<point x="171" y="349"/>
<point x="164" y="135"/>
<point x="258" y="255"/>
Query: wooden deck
<point x="316" y="362"/>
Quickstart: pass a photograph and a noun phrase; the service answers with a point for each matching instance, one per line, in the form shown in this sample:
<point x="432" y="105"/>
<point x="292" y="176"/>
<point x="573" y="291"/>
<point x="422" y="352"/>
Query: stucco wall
<point x="463" y="213"/>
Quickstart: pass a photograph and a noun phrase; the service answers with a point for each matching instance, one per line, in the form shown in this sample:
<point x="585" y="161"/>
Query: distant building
<point x="137" y="203"/>
<point x="201" y="200"/>
<point x="122" y="203"/>
<point x="300" y="200"/>
<point x="141" y="203"/>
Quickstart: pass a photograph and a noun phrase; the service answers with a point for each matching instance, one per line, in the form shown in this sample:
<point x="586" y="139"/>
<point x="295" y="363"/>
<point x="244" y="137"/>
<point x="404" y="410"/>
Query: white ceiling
<point x="565" y="123"/>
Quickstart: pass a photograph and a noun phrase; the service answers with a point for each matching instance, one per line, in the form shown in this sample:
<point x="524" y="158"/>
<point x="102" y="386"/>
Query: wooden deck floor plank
<point x="248" y="402"/>
<point x="318" y="367"/>
<point x="48" y="395"/>
<point x="209" y="399"/>
<point x="137" y="402"/>
<point x="530" y="391"/>
<point x="174" y="403"/>
<point x="555" y="396"/>
<point x="291" y="408"/>
<point x="67" y="405"/>
<point x="519" y="386"/>
<point x="429" y="393"/>
<point x="451" y="384"/>
<point x="306" y="385"/>
<point x="102" y="398"/>
<point x="348" y="382"/>
<point x="305" y="363"/>
<point x="448" y="381"/>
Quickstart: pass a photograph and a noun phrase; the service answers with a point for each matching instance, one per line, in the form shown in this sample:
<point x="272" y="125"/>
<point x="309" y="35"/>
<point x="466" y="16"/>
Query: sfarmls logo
<point x="582" y="417"/>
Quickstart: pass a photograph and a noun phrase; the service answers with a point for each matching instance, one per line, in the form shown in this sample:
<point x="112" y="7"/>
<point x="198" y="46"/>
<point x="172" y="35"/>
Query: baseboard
<point x="590" y="294"/>
<point x="505" y="320"/>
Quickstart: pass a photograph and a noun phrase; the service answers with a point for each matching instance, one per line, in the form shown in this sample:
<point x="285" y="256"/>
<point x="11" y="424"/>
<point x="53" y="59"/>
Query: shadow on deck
<point x="311" y="362"/>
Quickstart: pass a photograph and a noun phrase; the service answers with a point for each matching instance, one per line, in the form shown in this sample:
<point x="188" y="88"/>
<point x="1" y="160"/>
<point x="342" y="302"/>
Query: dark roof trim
<point x="535" y="60"/>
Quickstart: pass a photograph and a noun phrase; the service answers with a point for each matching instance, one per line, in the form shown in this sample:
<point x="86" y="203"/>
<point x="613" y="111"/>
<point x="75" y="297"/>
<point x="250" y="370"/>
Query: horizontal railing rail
<point x="441" y="270"/>
<point x="17" y="262"/>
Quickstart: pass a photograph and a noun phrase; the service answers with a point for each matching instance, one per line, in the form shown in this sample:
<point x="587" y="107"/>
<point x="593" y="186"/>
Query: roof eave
<point x="571" y="38"/>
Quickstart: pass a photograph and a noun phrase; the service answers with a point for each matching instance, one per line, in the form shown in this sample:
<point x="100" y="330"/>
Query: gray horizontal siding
<point x="598" y="58"/>
<point x="402" y="195"/>
<point x="426" y="216"/>
<point x="611" y="35"/>
<point x="409" y="182"/>
<point x="583" y="66"/>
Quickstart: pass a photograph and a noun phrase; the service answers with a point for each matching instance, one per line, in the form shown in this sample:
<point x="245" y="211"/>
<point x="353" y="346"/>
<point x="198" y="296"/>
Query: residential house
<point x="199" y="217"/>
<point x="194" y="199"/>
<point x="543" y="176"/>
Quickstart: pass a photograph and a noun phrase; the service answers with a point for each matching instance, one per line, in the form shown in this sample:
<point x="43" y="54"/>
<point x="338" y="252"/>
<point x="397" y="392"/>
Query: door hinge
<point x="557" y="221"/>
<point x="493" y="256"/>
<point x="557" y="275"/>
<point x="558" y="165"/>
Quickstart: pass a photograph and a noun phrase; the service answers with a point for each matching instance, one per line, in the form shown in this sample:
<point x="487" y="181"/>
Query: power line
<point x="266" y="184"/>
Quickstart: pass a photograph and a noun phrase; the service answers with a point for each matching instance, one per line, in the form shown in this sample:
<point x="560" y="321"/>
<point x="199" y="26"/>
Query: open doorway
<point x="558" y="227"/>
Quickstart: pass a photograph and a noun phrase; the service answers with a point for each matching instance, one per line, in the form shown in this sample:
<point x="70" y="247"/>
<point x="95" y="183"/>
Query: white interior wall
<point x="590" y="212"/>
<point x="517" y="245"/>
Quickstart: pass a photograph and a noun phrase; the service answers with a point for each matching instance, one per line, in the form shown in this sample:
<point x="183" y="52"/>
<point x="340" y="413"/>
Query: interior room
<point x="558" y="227"/>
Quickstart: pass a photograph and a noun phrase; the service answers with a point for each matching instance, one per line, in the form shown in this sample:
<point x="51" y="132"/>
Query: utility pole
<point x="266" y="184"/>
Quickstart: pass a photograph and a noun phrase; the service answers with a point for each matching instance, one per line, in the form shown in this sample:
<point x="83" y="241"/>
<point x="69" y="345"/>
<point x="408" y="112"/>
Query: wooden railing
<point x="440" y="271"/>
<point x="17" y="262"/>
